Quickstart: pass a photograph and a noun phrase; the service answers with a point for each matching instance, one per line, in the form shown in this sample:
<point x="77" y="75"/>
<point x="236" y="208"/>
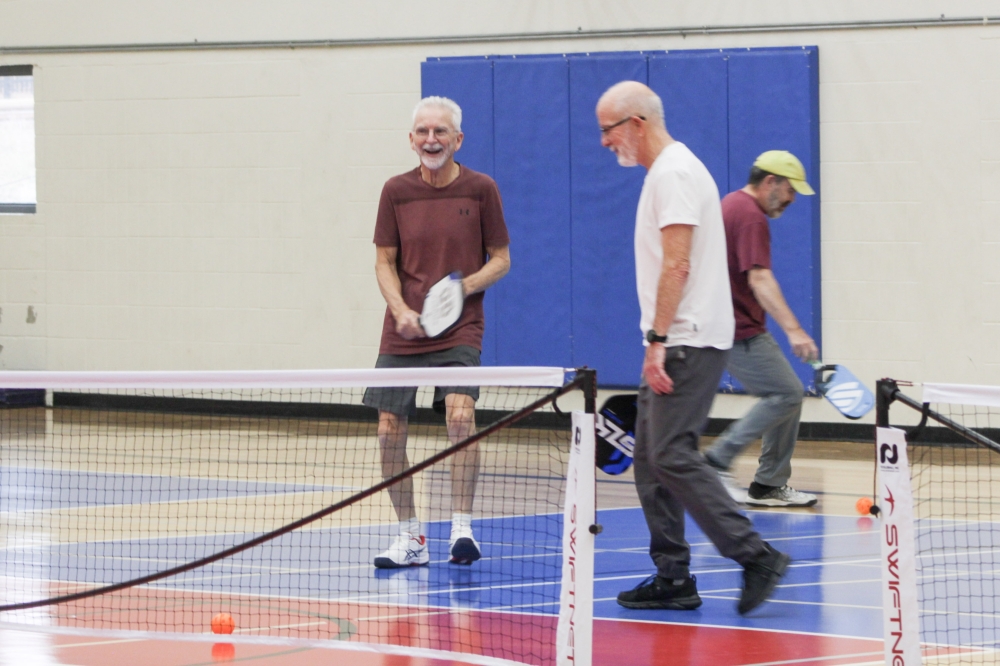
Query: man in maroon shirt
<point x="756" y="360"/>
<point x="432" y="221"/>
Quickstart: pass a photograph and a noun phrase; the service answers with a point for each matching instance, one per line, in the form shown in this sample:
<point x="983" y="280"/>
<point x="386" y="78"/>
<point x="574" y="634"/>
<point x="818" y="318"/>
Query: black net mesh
<point x="107" y="487"/>
<point x="956" y="491"/>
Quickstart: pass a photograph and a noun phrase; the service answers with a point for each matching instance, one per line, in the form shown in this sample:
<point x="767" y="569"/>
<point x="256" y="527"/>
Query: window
<point x="17" y="140"/>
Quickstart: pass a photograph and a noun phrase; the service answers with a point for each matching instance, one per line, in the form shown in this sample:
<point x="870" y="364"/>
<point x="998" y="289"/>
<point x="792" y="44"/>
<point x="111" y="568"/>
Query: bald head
<point x="631" y="98"/>
<point x="630" y="117"/>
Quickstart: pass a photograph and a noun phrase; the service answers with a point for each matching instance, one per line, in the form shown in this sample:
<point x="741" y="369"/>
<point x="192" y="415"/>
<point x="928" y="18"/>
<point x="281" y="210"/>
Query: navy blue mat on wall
<point x="531" y="141"/>
<point x="694" y="88"/>
<point x="529" y="122"/>
<point x="606" y="331"/>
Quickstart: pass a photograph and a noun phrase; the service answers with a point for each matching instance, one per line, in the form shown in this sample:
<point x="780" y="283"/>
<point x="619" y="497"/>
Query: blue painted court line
<point x="38" y="489"/>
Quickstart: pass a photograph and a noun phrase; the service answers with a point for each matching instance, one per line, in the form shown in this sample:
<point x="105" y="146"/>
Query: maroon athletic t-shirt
<point x="438" y="231"/>
<point x="748" y="242"/>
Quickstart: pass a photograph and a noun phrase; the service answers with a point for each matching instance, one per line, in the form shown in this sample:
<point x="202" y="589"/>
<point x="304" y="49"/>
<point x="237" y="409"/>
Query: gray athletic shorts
<point x="402" y="401"/>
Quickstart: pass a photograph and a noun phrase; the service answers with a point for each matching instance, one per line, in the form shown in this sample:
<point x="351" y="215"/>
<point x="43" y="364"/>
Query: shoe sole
<point x="683" y="603"/>
<point x="780" y="567"/>
<point x="386" y="563"/>
<point x="750" y="501"/>
<point x="464" y="552"/>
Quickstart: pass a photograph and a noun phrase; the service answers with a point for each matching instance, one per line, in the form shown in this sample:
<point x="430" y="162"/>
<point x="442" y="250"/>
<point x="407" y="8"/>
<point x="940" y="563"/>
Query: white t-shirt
<point x="679" y="190"/>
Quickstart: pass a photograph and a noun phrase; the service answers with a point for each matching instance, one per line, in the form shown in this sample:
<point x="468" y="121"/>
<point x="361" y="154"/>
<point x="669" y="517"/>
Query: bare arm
<point x="490" y="273"/>
<point x="676" y="243"/>
<point x="407" y="320"/>
<point x="767" y="291"/>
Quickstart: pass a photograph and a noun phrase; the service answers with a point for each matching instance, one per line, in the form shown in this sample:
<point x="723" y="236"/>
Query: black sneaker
<point x="760" y="577"/>
<point x="654" y="592"/>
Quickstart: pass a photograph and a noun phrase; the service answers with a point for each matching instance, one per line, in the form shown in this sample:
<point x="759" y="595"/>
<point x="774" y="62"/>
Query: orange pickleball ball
<point x="864" y="506"/>
<point x="223" y="623"/>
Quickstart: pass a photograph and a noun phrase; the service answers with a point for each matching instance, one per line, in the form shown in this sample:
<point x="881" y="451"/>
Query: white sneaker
<point x="406" y="551"/>
<point x="783" y="496"/>
<point x="463" y="547"/>
<point x="729" y="481"/>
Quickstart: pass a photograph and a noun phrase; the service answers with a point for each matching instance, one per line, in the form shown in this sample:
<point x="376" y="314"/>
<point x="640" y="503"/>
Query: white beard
<point x="627" y="160"/>
<point x="434" y="162"/>
<point x="627" y="156"/>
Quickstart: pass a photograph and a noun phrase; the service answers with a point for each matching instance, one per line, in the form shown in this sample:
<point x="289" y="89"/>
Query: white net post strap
<point x="962" y="394"/>
<point x="249" y="379"/>
<point x="900" y="616"/>
<point x="574" y="634"/>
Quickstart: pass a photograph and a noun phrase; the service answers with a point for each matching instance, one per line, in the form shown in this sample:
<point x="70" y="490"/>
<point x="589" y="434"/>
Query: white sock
<point x="461" y="522"/>
<point x="411" y="527"/>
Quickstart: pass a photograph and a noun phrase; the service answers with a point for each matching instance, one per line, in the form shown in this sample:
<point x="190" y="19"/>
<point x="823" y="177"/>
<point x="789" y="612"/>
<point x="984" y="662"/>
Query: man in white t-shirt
<point x="687" y="319"/>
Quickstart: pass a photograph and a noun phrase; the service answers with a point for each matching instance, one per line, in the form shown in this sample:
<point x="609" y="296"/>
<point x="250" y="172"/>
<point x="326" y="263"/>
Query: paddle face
<point x="616" y="433"/>
<point x="844" y="391"/>
<point x="442" y="305"/>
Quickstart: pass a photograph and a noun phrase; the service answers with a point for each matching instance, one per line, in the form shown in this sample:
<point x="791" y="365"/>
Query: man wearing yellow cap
<point x="756" y="360"/>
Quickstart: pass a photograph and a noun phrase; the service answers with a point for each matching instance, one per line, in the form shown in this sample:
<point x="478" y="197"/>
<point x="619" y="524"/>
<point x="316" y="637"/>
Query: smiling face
<point x="618" y="136"/>
<point x="433" y="137"/>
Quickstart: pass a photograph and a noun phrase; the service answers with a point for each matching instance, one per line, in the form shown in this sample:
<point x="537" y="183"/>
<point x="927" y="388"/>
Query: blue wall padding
<point x="529" y="122"/>
<point x="531" y="140"/>
<point x="694" y="90"/>
<point x="606" y="331"/>
<point x="773" y="105"/>
<point x="469" y="81"/>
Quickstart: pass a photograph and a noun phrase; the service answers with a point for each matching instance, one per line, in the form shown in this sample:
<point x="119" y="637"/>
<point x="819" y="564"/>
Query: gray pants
<point x="672" y="477"/>
<point x="765" y="372"/>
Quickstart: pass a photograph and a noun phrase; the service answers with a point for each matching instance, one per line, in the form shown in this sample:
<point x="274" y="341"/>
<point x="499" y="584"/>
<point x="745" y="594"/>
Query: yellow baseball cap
<point x="783" y="163"/>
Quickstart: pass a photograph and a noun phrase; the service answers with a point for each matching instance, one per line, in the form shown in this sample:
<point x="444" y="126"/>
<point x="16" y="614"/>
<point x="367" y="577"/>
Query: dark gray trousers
<point x="671" y="475"/>
<point x="764" y="371"/>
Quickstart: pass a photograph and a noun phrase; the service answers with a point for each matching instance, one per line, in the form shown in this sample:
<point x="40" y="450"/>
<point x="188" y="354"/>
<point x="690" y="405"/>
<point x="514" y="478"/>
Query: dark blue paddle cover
<point x="616" y="433"/>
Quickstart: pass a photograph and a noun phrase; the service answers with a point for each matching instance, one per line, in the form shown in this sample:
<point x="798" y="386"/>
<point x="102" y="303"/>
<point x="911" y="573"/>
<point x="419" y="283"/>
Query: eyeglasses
<point x="424" y="132"/>
<point x="605" y="130"/>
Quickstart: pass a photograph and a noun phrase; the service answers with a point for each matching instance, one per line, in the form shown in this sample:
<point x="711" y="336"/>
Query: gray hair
<point x="444" y="102"/>
<point x="635" y="99"/>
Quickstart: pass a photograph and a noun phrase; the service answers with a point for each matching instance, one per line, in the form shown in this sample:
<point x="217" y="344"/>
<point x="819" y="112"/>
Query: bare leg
<point x="392" y="432"/>
<point x="460" y="410"/>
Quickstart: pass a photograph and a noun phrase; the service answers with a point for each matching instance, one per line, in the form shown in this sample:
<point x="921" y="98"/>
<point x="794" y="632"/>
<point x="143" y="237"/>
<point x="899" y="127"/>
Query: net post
<point x="885" y="394"/>
<point x="574" y="631"/>
<point x="588" y="384"/>
<point x="900" y="601"/>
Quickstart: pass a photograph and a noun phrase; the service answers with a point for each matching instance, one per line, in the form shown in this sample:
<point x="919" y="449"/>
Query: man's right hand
<point x="803" y="345"/>
<point x="654" y="369"/>
<point x="408" y="325"/>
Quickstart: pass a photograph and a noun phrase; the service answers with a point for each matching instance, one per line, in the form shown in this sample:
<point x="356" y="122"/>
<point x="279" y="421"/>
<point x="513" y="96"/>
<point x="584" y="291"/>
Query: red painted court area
<point x="620" y="642"/>
<point x="615" y="643"/>
<point x="176" y="653"/>
<point x="497" y="635"/>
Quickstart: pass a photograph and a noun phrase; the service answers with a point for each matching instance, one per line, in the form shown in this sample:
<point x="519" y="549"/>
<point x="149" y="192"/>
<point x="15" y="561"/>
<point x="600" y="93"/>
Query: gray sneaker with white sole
<point x="783" y="496"/>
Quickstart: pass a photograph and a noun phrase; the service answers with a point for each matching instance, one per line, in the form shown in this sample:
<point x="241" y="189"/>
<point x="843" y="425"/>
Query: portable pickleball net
<point x="150" y="502"/>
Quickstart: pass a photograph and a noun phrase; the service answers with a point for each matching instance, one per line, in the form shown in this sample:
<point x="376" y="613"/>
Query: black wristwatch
<point x="652" y="337"/>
